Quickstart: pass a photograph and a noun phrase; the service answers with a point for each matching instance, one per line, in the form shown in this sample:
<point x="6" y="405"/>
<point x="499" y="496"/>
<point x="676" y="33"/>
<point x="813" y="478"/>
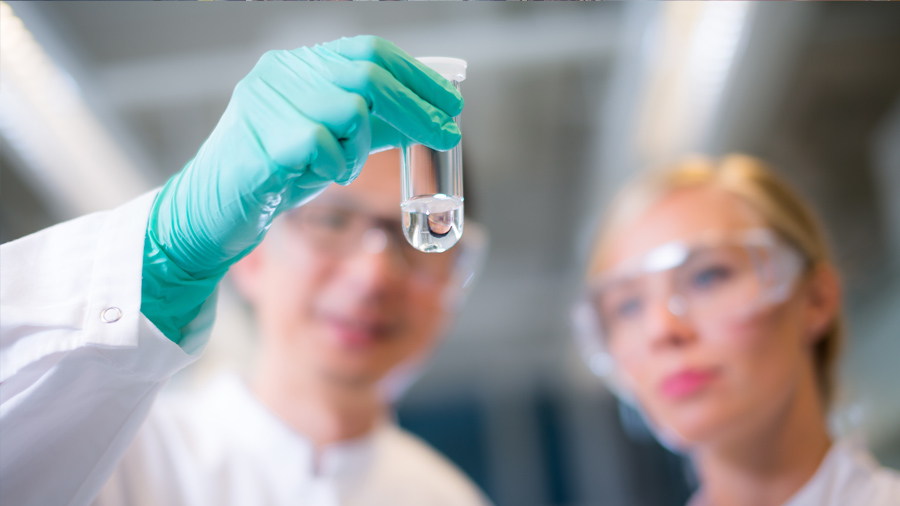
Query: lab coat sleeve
<point x="80" y="366"/>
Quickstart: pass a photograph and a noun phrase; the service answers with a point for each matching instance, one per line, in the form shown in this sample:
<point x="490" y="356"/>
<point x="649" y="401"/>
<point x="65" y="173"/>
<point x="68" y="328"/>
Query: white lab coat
<point x="80" y="369"/>
<point x="223" y="447"/>
<point x="848" y="475"/>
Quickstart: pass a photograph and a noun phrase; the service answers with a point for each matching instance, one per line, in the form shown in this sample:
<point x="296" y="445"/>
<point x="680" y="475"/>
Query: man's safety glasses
<point x="341" y="229"/>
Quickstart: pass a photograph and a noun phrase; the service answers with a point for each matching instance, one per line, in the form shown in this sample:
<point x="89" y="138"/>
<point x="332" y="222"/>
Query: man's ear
<point x="823" y="300"/>
<point x="246" y="273"/>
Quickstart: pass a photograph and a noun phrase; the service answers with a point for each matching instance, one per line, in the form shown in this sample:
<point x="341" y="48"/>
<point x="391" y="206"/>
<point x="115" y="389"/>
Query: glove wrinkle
<point x="295" y="124"/>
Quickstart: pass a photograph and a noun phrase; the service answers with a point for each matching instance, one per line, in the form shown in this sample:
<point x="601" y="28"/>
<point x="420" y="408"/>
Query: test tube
<point x="432" y="181"/>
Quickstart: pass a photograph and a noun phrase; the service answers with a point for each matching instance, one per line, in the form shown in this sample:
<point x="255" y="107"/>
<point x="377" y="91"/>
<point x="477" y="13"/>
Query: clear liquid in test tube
<point x="432" y="181"/>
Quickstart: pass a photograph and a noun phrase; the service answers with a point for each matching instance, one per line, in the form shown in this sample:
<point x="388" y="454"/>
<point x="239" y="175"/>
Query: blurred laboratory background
<point x="565" y="101"/>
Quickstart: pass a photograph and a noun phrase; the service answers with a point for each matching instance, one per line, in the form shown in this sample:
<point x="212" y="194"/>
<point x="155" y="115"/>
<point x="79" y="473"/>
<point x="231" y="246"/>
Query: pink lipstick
<point x="688" y="382"/>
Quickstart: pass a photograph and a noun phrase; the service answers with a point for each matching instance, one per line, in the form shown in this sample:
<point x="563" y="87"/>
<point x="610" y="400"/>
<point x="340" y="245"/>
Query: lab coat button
<point x="111" y="314"/>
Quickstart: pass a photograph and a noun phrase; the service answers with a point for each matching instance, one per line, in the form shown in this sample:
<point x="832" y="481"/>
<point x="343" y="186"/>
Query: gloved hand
<point x="298" y="121"/>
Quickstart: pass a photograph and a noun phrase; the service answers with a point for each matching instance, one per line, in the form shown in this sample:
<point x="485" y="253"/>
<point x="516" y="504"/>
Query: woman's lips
<point x="688" y="382"/>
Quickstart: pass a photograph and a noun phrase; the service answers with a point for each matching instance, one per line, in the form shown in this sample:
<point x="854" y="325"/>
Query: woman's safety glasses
<point x="717" y="280"/>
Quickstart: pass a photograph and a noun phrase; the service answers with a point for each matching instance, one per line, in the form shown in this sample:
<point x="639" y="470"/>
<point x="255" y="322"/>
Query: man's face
<point x="337" y="291"/>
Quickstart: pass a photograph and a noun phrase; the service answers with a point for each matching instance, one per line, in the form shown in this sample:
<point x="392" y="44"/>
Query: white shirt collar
<point x="847" y="475"/>
<point x="252" y="425"/>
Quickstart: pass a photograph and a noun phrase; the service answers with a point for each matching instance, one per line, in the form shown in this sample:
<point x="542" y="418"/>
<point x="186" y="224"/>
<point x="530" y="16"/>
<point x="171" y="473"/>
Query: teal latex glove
<point x="297" y="122"/>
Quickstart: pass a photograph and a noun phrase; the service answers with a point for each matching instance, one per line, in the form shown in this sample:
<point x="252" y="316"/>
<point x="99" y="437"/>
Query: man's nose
<point x="377" y="265"/>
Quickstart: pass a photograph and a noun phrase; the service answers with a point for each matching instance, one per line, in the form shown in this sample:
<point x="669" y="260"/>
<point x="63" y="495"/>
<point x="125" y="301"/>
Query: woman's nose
<point x="667" y="323"/>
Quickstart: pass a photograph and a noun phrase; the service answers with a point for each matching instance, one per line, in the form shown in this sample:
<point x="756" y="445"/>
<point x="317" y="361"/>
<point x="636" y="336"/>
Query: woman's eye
<point x="711" y="276"/>
<point x="623" y="308"/>
<point x="629" y="308"/>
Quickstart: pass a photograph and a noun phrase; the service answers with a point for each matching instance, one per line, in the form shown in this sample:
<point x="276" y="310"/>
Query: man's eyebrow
<point x="337" y="200"/>
<point x="351" y="204"/>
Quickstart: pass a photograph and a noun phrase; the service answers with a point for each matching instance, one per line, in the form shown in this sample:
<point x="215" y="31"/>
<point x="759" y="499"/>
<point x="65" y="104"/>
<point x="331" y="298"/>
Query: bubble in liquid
<point x="433" y="223"/>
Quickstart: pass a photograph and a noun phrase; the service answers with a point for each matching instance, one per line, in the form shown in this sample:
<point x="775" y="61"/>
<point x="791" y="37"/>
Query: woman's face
<point x="708" y="380"/>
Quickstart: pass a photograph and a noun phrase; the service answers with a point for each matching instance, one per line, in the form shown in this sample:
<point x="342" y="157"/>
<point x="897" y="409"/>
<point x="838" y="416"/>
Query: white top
<point x="80" y="369"/>
<point x="848" y="475"/>
<point x="223" y="447"/>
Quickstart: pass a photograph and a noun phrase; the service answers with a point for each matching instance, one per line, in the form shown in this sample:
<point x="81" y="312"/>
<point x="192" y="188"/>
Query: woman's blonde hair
<point x="754" y="183"/>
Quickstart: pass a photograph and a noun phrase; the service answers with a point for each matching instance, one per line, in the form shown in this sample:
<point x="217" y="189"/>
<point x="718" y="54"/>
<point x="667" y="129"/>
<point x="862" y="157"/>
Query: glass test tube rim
<point x="424" y="226"/>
